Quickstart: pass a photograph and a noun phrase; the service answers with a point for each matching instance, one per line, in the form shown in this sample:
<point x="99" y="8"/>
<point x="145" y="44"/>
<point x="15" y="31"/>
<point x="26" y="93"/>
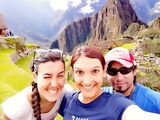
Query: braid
<point x="36" y="101"/>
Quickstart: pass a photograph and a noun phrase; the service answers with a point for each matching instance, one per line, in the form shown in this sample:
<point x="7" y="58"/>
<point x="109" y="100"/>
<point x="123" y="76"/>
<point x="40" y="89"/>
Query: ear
<point x="135" y="72"/>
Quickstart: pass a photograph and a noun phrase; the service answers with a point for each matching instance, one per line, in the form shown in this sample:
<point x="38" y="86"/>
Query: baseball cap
<point x="121" y="55"/>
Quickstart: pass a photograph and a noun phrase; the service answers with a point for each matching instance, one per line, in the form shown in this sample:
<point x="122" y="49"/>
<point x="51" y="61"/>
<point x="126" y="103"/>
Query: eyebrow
<point x="92" y="68"/>
<point x="61" y="72"/>
<point x="50" y="73"/>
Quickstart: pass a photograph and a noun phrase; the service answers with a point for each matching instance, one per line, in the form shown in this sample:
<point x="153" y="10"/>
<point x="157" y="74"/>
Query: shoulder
<point x="147" y="98"/>
<point x="16" y="105"/>
<point x="71" y="95"/>
<point x="118" y="100"/>
<point x="69" y="98"/>
<point x="67" y="88"/>
<point x="147" y="92"/>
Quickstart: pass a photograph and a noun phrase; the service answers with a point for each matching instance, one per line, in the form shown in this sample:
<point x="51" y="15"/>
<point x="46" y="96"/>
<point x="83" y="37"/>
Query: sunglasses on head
<point x="42" y="53"/>
<point x="122" y="70"/>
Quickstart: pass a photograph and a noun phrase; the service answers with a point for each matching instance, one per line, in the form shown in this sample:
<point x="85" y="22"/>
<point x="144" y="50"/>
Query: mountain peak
<point x="116" y="15"/>
<point x="155" y="24"/>
<point x="110" y="22"/>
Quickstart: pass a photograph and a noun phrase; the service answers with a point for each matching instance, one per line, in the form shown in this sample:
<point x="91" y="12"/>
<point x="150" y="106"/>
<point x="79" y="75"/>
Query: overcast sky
<point x="49" y="17"/>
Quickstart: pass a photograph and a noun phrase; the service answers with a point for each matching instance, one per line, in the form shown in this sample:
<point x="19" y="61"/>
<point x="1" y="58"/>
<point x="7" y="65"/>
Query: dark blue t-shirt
<point x="106" y="107"/>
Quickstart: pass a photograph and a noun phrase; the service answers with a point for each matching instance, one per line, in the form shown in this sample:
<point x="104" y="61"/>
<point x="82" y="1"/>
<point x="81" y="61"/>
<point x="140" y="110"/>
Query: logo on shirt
<point x="78" y="118"/>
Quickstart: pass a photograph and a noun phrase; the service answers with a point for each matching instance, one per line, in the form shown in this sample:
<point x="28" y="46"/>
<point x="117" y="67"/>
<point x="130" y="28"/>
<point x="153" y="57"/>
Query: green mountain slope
<point x="12" y="78"/>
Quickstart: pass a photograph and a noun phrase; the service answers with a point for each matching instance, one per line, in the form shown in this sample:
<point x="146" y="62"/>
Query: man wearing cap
<point x="121" y="74"/>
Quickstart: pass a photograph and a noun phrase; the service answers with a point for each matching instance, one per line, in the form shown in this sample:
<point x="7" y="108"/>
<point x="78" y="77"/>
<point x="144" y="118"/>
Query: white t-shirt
<point x="17" y="107"/>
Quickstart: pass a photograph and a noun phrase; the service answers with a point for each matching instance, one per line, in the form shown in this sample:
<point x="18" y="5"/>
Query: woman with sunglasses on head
<point x="121" y="74"/>
<point x="91" y="103"/>
<point x="40" y="101"/>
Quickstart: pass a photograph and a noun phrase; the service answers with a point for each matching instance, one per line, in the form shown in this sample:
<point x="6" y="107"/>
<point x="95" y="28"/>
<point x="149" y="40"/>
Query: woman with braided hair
<point x="40" y="101"/>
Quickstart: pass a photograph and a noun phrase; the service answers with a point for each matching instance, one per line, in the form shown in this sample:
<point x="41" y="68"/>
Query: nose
<point x="119" y="76"/>
<point x="54" y="82"/>
<point x="87" y="80"/>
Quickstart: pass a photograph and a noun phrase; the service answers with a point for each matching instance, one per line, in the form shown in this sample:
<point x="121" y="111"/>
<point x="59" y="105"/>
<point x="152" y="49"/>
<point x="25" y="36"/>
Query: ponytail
<point x="36" y="101"/>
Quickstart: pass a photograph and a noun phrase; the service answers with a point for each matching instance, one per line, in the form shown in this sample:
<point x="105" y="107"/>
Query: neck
<point x="46" y="106"/>
<point x="86" y="100"/>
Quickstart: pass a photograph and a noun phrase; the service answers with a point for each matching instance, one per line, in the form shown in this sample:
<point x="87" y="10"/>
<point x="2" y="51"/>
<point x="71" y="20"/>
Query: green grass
<point x="128" y="45"/>
<point x="25" y="63"/>
<point x="31" y="45"/>
<point x="12" y="77"/>
<point x="59" y="117"/>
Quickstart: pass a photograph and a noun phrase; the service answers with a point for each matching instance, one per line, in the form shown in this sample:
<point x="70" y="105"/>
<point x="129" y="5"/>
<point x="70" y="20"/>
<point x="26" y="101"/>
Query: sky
<point x="63" y="5"/>
<point x="49" y="17"/>
<point x="156" y="8"/>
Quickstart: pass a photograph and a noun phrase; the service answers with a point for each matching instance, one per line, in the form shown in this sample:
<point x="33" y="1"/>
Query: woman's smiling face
<point x="88" y="75"/>
<point x="50" y="80"/>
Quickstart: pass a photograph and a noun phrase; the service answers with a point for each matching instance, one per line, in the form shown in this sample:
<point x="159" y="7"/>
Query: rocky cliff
<point x="112" y="21"/>
<point x="18" y="44"/>
<point x="155" y="24"/>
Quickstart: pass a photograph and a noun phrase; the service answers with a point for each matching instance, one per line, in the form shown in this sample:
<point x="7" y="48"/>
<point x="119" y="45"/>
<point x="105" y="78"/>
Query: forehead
<point x="51" y="67"/>
<point x="84" y="62"/>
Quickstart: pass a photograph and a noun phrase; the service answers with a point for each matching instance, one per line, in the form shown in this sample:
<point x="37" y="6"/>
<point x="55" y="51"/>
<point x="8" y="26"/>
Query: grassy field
<point x="12" y="77"/>
<point x="128" y="45"/>
<point x="25" y="63"/>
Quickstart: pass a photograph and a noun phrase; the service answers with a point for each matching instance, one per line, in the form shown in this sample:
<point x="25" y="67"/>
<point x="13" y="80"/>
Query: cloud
<point x="92" y="1"/>
<point x="63" y="5"/>
<point x="155" y="9"/>
<point x="87" y="9"/>
<point x="75" y="3"/>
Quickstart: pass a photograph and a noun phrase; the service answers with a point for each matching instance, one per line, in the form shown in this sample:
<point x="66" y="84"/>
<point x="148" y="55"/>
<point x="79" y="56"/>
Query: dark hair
<point x="88" y="51"/>
<point x="0" y="31"/>
<point x="44" y="57"/>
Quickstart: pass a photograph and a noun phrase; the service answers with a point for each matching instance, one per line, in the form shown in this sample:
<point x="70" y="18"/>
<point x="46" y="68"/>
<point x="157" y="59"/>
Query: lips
<point x="88" y="87"/>
<point x="119" y="84"/>
<point x="53" y="91"/>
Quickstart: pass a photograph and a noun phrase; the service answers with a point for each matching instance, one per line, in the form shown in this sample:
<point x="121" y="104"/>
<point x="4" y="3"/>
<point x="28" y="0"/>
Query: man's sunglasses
<point x="122" y="70"/>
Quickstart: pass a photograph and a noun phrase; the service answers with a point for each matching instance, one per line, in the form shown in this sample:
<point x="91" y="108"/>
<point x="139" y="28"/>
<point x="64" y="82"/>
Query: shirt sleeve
<point x="120" y="104"/>
<point x="133" y="112"/>
<point x="16" y="106"/>
<point x="66" y="100"/>
<point x="11" y="107"/>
